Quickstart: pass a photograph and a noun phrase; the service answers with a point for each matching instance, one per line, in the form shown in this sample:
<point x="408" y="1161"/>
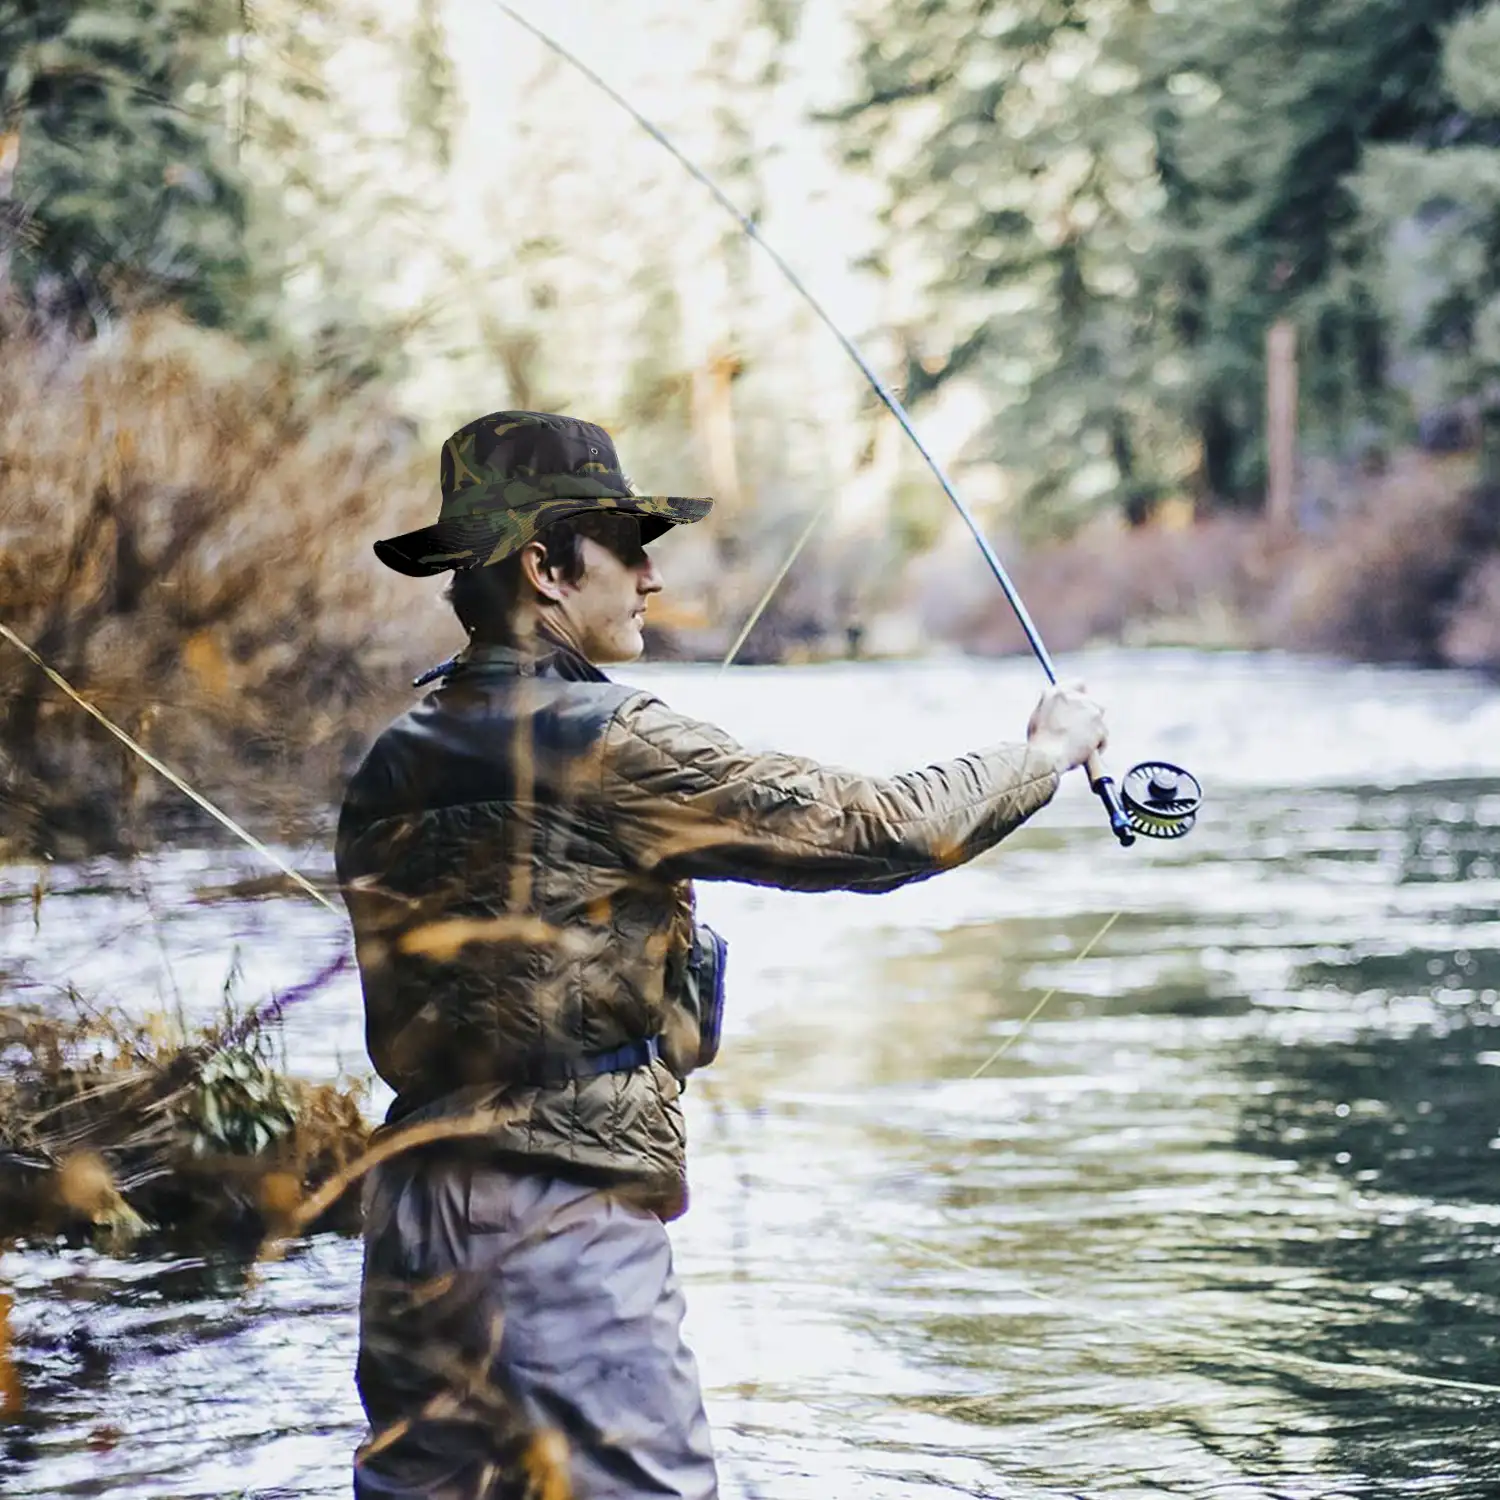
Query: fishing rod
<point x="1156" y="799"/>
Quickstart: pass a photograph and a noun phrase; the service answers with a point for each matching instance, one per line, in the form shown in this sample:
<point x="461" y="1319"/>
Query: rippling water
<point x="1212" y="1225"/>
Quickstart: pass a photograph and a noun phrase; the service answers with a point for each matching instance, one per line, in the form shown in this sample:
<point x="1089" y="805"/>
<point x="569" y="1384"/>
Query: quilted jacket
<point x="517" y="853"/>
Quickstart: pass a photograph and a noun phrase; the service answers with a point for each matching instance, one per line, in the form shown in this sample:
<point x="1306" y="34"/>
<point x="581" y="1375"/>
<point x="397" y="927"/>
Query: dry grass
<point x="1406" y="577"/>
<point x="185" y="534"/>
<point x="114" y="1128"/>
<point x="1195" y="585"/>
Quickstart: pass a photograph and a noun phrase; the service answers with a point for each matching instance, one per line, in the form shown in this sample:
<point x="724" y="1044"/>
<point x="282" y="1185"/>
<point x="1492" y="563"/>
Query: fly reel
<point x="1161" y="801"/>
<point x="1156" y="800"/>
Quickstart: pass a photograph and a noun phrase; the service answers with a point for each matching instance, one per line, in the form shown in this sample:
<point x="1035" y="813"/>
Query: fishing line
<point x="765" y="598"/>
<point x="1041" y="1004"/>
<point x="279" y="1003"/>
<point x="164" y="770"/>
<point x="1173" y="794"/>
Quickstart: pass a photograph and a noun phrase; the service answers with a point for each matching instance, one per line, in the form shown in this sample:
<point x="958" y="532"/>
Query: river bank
<point x="127" y="1130"/>
<point x="1398" y="568"/>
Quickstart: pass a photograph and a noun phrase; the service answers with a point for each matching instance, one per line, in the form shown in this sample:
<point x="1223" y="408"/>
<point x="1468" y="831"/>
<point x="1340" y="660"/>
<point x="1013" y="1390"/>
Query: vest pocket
<point x="706" y="965"/>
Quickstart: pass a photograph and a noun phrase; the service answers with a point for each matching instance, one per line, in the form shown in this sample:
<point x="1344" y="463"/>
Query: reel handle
<point x="1101" y="783"/>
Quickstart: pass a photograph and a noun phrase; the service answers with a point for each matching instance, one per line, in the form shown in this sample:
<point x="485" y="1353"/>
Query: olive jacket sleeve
<point x="685" y="802"/>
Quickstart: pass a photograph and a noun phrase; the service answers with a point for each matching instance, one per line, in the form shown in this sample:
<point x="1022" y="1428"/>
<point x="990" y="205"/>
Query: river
<point x="1218" y="1223"/>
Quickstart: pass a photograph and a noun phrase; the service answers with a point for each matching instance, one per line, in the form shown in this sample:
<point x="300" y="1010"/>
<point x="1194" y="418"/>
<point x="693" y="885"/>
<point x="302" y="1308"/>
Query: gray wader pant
<point x="495" y="1304"/>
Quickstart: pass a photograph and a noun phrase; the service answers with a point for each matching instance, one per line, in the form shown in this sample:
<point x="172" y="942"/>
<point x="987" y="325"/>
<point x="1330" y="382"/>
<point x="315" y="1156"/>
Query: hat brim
<point x="475" y="540"/>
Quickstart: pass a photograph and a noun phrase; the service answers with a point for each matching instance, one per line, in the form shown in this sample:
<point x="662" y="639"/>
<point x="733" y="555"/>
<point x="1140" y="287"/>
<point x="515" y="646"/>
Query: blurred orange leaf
<point x="11" y="1396"/>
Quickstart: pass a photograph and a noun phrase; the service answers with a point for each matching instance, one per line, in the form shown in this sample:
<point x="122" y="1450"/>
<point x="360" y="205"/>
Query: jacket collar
<point x="546" y="657"/>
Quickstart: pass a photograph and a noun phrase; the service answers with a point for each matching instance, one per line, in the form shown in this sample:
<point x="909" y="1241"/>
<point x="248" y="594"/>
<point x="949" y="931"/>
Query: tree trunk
<point x="10" y="157"/>
<point x="1281" y="425"/>
<point x="1489" y="446"/>
<point x="713" y="416"/>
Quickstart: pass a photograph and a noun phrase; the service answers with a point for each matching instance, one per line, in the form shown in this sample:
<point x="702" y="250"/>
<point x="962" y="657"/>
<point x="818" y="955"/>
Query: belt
<point x="543" y="1072"/>
<point x="554" y="1070"/>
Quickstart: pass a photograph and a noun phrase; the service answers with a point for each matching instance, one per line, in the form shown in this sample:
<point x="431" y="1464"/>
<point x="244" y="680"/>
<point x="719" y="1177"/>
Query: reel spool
<point x="1160" y="800"/>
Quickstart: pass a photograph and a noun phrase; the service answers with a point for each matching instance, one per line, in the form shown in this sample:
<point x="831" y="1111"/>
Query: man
<point x="517" y="853"/>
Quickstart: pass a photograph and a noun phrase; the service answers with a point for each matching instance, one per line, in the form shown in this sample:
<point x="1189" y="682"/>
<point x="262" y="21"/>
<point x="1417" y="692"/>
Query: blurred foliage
<point x="184" y="534"/>
<point x="113" y="1127"/>
<point x="429" y="94"/>
<point x="1122" y="196"/>
<point x="177" y="151"/>
<point x="198" y="407"/>
<point x="344" y="123"/>
<point x="1436" y="211"/>
<point x="124" y="188"/>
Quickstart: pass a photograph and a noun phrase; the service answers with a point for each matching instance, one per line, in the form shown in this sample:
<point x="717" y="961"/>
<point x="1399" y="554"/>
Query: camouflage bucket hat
<point x="507" y="476"/>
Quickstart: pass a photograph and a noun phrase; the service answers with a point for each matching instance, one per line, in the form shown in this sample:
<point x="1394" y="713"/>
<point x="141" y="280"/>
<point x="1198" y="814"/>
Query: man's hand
<point x="1067" y="727"/>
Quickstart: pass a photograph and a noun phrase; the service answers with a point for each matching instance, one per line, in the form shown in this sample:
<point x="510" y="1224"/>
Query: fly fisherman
<point x="517" y="853"/>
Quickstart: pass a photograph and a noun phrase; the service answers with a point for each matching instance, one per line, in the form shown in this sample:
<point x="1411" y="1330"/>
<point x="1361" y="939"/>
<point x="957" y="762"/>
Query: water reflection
<point x="1404" y="1114"/>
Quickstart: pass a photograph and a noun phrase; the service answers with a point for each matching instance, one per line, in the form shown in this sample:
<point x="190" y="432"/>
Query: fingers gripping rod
<point x="1102" y="784"/>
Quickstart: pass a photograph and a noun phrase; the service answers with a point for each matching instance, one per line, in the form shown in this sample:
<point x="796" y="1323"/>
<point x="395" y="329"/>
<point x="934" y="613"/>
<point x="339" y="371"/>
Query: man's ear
<point x="536" y="571"/>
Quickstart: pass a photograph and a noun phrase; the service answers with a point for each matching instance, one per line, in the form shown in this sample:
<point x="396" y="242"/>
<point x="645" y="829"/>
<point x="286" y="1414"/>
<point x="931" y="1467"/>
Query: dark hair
<point x="485" y="598"/>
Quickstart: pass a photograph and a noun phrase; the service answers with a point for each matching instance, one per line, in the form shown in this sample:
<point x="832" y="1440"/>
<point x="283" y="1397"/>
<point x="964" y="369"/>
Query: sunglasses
<point x="621" y="534"/>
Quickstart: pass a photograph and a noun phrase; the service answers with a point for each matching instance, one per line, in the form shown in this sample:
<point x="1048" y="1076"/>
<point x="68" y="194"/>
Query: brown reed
<point x="112" y="1129"/>
<point x="185" y="534"/>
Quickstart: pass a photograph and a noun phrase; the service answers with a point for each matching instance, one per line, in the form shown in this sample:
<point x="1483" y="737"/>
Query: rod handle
<point x="1103" y="787"/>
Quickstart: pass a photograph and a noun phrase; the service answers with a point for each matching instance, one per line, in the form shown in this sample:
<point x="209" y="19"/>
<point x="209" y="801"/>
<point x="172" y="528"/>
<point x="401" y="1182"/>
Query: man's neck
<point x="540" y="641"/>
<point x="540" y="633"/>
<point x="552" y="634"/>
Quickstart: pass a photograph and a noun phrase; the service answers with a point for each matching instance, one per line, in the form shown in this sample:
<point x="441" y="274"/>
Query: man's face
<point x="604" y="611"/>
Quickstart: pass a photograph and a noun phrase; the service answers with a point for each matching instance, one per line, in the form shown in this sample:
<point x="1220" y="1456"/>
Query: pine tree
<point x="1266" y="109"/>
<point x="123" y="189"/>
<point x="1032" y="189"/>
<point x="1120" y="197"/>
<point x="208" y="153"/>
<point x="1436" y="214"/>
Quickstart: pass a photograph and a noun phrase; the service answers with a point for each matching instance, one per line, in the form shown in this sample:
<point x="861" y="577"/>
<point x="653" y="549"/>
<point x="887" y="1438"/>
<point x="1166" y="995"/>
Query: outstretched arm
<point x="688" y="802"/>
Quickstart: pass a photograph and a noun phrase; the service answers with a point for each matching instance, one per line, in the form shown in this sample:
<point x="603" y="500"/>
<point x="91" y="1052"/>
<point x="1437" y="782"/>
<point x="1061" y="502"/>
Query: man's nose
<point x="649" y="580"/>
